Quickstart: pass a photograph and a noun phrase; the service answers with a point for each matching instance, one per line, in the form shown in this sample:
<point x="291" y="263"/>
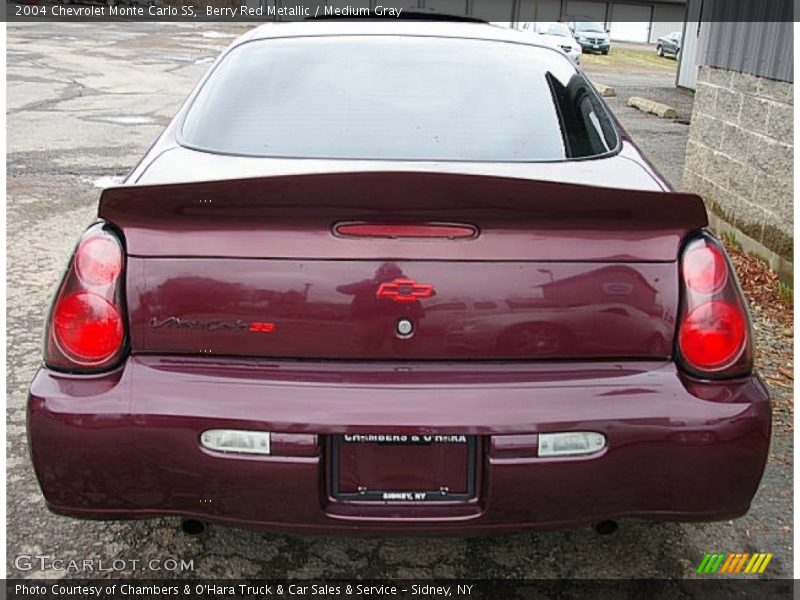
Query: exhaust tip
<point x="193" y="527"/>
<point x="606" y="527"/>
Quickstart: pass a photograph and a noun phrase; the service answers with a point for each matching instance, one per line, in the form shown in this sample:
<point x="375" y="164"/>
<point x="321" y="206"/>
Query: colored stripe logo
<point x="722" y="562"/>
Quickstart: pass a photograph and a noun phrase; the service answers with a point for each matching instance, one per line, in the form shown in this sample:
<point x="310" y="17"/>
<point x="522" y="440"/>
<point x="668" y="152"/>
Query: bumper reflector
<point x="236" y="440"/>
<point x="571" y="443"/>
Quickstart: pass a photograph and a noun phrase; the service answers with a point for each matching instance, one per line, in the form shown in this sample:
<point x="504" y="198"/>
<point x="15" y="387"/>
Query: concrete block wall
<point x="740" y="156"/>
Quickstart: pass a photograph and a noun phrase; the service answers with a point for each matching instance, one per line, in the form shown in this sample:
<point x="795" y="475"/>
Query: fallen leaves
<point x="763" y="288"/>
<point x="773" y="323"/>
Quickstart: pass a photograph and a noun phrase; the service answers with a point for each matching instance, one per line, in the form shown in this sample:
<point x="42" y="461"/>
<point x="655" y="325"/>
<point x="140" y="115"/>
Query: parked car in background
<point x="453" y="297"/>
<point x="591" y="35"/>
<point x="669" y="45"/>
<point x="557" y="35"/>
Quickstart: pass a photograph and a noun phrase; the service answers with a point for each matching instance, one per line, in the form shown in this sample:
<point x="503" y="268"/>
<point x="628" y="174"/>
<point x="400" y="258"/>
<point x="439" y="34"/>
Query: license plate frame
<point x="403" y="496"/>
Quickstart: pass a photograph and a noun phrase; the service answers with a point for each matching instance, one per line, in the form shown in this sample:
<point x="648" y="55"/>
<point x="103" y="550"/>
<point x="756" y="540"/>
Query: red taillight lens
<point x="405" y="230"/>
<point x="712" y="335"/>
<point x="714" y="329"/>
<point x="86" y="330"/>
<point x="87" y="327"/>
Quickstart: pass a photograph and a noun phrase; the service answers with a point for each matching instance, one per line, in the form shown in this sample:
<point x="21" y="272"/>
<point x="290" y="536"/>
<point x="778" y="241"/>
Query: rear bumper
<point x="126" y="445"/>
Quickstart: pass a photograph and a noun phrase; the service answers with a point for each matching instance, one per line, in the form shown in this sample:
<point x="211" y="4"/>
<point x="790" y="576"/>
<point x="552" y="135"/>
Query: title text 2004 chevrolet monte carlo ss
<point x="397" y="276"/>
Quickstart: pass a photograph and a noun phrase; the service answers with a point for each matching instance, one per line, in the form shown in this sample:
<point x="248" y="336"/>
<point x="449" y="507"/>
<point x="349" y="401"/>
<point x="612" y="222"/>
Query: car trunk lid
<point x="336" y="266"/>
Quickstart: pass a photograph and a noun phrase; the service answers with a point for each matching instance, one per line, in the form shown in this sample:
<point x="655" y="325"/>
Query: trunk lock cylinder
<point x="405" y="328"/>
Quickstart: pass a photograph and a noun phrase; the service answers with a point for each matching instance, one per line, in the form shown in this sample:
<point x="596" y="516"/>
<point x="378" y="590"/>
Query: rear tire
<point x="660" y="51"/>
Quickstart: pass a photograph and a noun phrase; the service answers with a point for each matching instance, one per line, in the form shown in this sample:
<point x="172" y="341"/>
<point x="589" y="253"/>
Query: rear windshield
<point x="398" y="98"/>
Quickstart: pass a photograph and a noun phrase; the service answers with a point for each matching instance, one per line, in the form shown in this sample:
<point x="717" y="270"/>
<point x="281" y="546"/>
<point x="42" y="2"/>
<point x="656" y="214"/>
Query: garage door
<point x="452" y="7"/>
<point x="543" y="10"/>
<point x="585" y="11"/>
<point x="491" y="11"/>
<point x="630" y="22"/>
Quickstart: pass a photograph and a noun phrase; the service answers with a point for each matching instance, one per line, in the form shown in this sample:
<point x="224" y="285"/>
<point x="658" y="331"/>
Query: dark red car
<point x="381" y="276"/>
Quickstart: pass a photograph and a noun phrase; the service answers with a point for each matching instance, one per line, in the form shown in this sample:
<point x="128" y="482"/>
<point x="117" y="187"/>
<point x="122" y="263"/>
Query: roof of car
<point x="445" y="29"/>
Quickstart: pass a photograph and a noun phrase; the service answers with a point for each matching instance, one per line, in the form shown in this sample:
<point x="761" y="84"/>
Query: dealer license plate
<point x="403" y="468"/>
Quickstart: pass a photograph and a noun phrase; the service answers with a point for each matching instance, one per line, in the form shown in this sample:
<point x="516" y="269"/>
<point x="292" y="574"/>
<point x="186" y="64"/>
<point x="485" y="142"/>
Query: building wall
<point x="542" y="10"/>
<point x="695" y="40"/>
<point x="687" y="61"/>
<point x="666" y="19"/>
<point x="584" y="10"/>
<point x="488" y="10"/>
<point x="658" y="18"/>
<point x="761" y="48"/>
<point x="740" y="154"/>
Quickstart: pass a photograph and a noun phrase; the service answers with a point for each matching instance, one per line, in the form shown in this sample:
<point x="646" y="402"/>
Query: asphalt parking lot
<point x="84" y="103"/>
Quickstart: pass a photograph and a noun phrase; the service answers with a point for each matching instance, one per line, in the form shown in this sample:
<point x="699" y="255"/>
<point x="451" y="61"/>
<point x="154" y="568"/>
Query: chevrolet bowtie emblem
<point x="404" y="290"/>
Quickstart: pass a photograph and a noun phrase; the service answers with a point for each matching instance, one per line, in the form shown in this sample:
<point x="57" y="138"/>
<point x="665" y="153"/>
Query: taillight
<point x="704" y="269"/>
<point x="86" y="328"/>
<point x="98" y="261"/>
<point x="714" y="337"/>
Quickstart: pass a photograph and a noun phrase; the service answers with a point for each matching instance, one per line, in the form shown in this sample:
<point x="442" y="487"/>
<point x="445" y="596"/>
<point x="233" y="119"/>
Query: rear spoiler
<point x="291" y="217"/>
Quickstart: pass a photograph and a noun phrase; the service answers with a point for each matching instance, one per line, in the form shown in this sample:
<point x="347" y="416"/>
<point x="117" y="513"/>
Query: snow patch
<point x="105" y="181"/>
<point x="216" y="35"/>
<point x="128" y="120"/>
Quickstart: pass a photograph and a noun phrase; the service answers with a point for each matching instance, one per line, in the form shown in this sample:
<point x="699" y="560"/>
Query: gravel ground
<point x="84" y="102"/>
<point x="662" y="140"/>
